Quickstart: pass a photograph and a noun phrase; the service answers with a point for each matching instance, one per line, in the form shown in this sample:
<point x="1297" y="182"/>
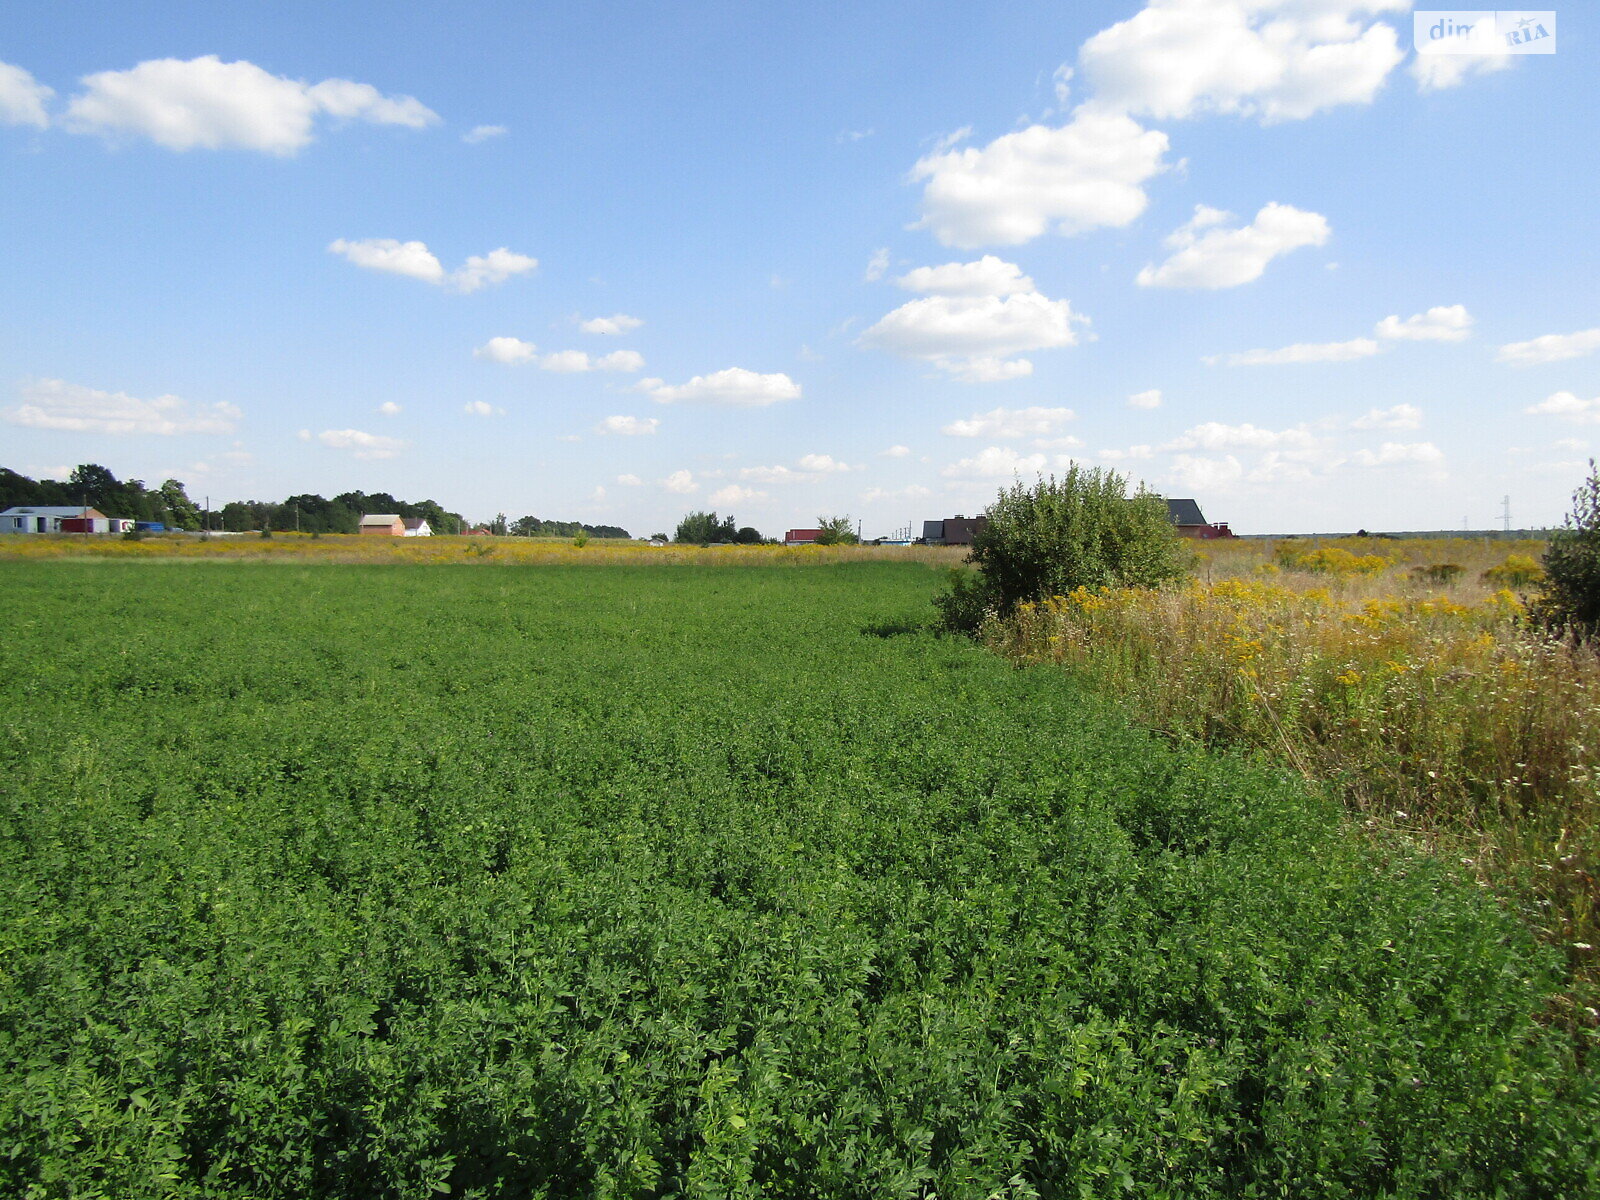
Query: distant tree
<point x="836" y="531"/>
<point x="526" y="527"/>
<point x="498" y="525"/>
<point x="1570" y="599"/>
<point x="702" y="528"/>
<point x="1082" y="530"/>
<point x="658" y="537"/>
<point x="748" y="536"/>
<point x="181" y="512"/>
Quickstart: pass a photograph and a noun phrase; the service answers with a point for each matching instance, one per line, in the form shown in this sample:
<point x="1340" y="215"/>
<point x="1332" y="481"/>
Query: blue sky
<point x="615" y="262"/>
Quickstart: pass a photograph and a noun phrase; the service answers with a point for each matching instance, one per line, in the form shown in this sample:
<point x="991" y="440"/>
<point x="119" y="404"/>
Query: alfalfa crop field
<point x="410" y="881"/>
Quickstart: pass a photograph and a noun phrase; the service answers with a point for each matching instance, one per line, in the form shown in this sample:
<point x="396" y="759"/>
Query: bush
<point x="836" y="531"/>
<point x="1447" y="572"/>
<point x="1570" y="601"/>
<point x="703" y="528"/>
<point x="1082" y="530"/>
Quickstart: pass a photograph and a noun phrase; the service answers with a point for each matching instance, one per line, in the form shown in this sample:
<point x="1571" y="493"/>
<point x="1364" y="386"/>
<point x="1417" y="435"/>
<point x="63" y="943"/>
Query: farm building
<point x="61" y="518"/>
<point x="382" y="525"/>
<point x="801" y="537"/>
<point x="417" y="527"/>
<point x="952" y="531"/>
<point x="1186" y="515"/>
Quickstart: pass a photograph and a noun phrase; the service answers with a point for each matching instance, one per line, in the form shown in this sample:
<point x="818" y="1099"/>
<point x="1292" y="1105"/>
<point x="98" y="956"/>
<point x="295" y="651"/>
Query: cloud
<point x="1401" y="416"/>
<point x="1214" y="435"/>
<point x="1001" y="462"/>
<point x="913" y="492"/>
<point x="1150" y="399"/>
<point x="415" y="260"/>
<point x="507" y="350"/>
<point x="1566" y="404"/>
<point x="1087" y="174"/>
<point x="361" y="444"/>
<point x="989" y="276"/>
<point x="497" y="266"/>
<point x="205" y="103"/>
<point x="681" y="482"/>
<point x="1011" y="423"/>
<point x="1392" y="454"/>
<point x="628" y="426"/>
<point x="482" y="133"/>
<point x="630" y="481"/>
<point x="389" y="409"/>
<point x="1199" y="474"/>
<point x="1266" y="59"/>
<point x="734" y="387"/>
<point x="617" y="323"/>
<point x="895" y="452"/>
<point x="1436" y="72"/>
<point x="481" y="408"/>
<point x="876" y="265"/>
<point x="809" y="469"/>
<point x="71" y="407"/>
<point x="1301" y="352"/>
<point x="968" y="336"/>
<point x="22" y="98"/>
<point x="1552" y="347"/>
<point x="734" y="494"/>
<point x="1440" y="324"/>
<point x="1223" y="258"/>
<point x="573" y="362"/>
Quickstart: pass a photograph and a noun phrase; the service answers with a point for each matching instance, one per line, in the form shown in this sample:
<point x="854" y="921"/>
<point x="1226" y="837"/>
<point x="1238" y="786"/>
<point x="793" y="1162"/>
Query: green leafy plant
<point x="836" y="531"/>
<point x="1570" y="599"/>
<point x="1080" y="530"/>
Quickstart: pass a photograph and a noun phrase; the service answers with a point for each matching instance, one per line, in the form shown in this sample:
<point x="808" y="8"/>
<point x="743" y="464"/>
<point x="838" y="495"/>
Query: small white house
<point x="32" y="518"/>
<point x="417" y="527"/>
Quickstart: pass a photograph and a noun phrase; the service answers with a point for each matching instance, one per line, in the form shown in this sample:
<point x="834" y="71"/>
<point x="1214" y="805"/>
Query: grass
<point x="400" y="882"/>
<point x="1399" y="672"/>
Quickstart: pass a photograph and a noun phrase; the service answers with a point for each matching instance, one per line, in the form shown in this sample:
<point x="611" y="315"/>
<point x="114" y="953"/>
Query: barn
<point x="382" y="525"/>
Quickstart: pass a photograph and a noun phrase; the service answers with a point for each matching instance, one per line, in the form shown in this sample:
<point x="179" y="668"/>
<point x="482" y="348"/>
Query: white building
<point x="34" y="518"/>
<point x="417" y="527"/>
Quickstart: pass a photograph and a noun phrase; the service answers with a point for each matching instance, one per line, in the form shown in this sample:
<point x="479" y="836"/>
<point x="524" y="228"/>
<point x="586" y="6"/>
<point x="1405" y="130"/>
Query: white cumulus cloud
<point x="1401" y="416"/>
<point x="57" y="404"/>
<point x="1552" y="347"/>
<point x="1215" y="435"/>
<point x="361" y="444"/>
<point x="628" y="426"/>
<point x="895" y="452"/>
<point x="970" y="336"/>
<point x="630" y="481"/>
<point x="734" y="494"/>
<point x="415" y="260"/>
<point x="681" y="482"/>
<point x="1275" y="60"/>
<point x="989" y="276"/>
<point x="735" y="387"/>
<point x="389" y="409"/>
<point x="481" y="408"/>
<point x="1002" y="462"/>
<point x="1436" y="72"/>
<point x="1392" y="454"/>
<point x="1451" y="323"/>
<point x="22" y="98"/>
<point x="1149" y="399"/>
<point x="1087" y="174"/>
<point x="205" y="103"/>
<point x="1011" y="423"/>
<point x="482" y="133"/>
<point x="1198" y="473"/>
<point x="1301" y="352"/>
<point x="508" y="350"/>
<point x="1222" y="258"/>
<point x="617" y="323"/>
<point x="1568" y="405"/>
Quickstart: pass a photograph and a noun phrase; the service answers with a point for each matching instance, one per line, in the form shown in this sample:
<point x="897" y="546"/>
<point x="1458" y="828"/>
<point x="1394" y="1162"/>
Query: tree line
<point x="94" y="486"/>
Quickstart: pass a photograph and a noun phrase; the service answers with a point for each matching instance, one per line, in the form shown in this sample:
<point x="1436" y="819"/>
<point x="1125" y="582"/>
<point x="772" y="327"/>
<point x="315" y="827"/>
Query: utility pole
<point x="1506" y="514"/>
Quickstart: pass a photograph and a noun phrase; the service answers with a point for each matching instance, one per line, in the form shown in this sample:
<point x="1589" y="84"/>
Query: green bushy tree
<point x="702" y="528"/>
<point x="1080" y="530"/>
<point x="1570" y="600"/>
<point x="836" y="531"/>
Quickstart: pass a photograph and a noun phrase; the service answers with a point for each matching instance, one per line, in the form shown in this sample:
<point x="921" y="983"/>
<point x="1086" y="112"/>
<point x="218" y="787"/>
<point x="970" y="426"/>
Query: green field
<point x="347" y="881"/>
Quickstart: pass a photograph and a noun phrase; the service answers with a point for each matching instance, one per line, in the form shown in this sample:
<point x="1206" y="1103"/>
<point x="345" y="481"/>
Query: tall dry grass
<point x="1418" y="692"/>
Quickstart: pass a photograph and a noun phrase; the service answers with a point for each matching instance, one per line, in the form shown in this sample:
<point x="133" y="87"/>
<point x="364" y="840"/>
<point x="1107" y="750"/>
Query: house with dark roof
<point x="1191" y="522"/>
<point x="952" y="531"/>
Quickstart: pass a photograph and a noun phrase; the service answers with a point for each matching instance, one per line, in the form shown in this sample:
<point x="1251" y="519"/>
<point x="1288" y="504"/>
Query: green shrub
<point x="1081" y="530"/>
<point x="1570" y="600"/>
<point x="1438" y="572"/>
